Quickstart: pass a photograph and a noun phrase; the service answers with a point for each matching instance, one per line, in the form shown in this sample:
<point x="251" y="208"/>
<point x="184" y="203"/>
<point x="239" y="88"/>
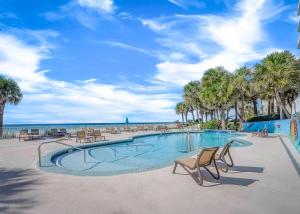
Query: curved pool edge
<point x="50" y="167"/>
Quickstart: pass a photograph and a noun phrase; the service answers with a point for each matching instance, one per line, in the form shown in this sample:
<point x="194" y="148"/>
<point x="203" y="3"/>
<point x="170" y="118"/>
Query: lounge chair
<point x="35" y="134"/>
<point x="205" y="158"/>
<point x="97" y="135"/>
<point x="81" y="135"/>
<point x="24" y="135"/>
<point x="64" y="132"/>
<point x="224" y="153"/>
<point x="262" y="133"/>
<point x="55" y="133"/>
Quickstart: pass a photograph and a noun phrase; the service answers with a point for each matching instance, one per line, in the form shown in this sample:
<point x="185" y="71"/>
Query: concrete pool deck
<point x="265" y="179"/>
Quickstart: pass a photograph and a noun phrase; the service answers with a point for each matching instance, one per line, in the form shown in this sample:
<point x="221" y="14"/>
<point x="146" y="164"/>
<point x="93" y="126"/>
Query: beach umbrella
<point x="127" y="121"/>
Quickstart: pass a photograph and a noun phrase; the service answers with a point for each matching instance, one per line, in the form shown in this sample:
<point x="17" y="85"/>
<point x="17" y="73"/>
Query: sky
<point x="102" y="60"/>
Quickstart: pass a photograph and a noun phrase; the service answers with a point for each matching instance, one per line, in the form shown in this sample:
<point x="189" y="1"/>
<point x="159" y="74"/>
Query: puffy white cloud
<point x="106" y="6"/>
<point x="51" y="100"/>
<point x="204" y="41"/>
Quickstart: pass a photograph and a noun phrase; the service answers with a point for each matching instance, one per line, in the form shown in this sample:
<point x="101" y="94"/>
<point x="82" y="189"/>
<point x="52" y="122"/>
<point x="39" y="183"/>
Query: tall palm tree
<point x="10" y="93"/>
<point x="217" y="91"/>
<point x="241" y="82"/>
<point x="191" y="97"/>
<point x="278" y="72"/>
<point x="180" y="109"/>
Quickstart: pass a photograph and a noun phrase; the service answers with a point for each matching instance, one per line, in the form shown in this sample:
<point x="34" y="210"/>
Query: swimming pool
<point x="139" y="154"/>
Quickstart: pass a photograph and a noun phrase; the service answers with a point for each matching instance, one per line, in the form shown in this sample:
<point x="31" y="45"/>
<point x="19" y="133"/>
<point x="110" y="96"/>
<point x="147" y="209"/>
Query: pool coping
<point x="50" y="167"/>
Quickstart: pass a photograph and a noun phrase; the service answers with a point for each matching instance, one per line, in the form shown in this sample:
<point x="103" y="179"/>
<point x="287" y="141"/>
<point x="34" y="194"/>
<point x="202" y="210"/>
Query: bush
<point x="212" y="124"/>
<point x="264" y="118"/>
<point x="233" y="126"/>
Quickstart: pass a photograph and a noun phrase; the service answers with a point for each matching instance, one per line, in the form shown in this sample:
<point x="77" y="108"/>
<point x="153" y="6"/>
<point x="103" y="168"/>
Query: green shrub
<point x="212" y="124"/>
<point x="233" y="126"/>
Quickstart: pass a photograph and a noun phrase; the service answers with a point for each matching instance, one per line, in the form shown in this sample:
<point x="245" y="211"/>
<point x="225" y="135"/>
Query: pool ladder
<point x="58" y="141"/>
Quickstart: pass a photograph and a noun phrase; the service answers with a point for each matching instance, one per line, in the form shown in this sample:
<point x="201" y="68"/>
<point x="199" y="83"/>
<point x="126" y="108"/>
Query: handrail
<point x="55" y="141"/>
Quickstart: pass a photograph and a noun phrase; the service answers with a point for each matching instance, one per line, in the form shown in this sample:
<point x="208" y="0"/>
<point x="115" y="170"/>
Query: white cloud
<point x="187" y="3"/>
<point x="101" y="6"/>
<point x="86" y="12"/>
<point x="293" y="17"/>
<point x="125" y="46"/>
<point x="229" y="39"/>
<point x="51" y="100"/>
<point x="153" y="25"/>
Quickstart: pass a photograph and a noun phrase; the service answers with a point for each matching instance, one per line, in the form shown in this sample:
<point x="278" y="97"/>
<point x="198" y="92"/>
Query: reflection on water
<point x="185" y="143"/>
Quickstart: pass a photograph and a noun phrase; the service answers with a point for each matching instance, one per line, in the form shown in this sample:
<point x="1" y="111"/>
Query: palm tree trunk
<point x="201" y="116"/>
<point x="255" y="106"/>
<point x="269" y="107"/>
<point x="281" y="106"/>
<point x="223" y="119"/>
<point x="242" y="113"/>
<point x="1" y="119"/>
<point x="198" y="117"/>
<point x="236" y="112"/>
<point x="227" y="117"/>
<point x="186" y="117"/>
<point x="182" y="118"/>
<point x="192" y="111"/>
<point x="205" y="116"/>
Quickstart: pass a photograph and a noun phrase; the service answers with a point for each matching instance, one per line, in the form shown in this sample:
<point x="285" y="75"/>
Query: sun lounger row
<point x="26" y="135"/>
<point x="117" y="130"/>
<point x="59" y="133"/>
<point x="88" y="136"/>
<point x="207" y="157"/>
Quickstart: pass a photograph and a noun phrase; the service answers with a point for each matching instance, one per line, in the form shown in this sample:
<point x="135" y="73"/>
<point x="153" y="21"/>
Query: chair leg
<point x="200" y="176"/>
<point x="218" y="174"/>
<point x="231" y="161"/>
<point x="175" y="166"/>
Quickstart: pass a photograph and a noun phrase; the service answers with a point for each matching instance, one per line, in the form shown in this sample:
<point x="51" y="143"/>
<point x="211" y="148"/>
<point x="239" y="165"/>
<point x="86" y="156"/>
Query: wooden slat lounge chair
<point x="81" y="135"/>
<point x="204" y="159"/>
<point x="97" y="135"/>
<point x="24" y="135"/>
<point x="35" y="134"/>
<point x="222" y="156"/>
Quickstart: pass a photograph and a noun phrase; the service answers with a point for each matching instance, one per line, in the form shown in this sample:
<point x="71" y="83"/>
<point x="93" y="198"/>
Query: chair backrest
<point x="80" y="134"/>
<point x="206" y="156"/>
<point x="97" y="133"/>
<point x="35" y="131"/>
<point x="54" y="131"/>
<point x="226" y="148"/>
<point x="24" y="132"/>
<point x="63" y="130"/>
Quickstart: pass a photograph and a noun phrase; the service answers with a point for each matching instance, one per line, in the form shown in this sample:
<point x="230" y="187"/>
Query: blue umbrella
<point x="127" y="121"/>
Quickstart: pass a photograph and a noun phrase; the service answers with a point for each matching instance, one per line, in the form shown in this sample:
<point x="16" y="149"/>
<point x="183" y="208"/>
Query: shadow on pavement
<point x="15" y="184"/>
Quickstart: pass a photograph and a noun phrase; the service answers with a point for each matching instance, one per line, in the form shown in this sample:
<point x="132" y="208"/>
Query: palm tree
<point x="180" y="110"/>
<point x="278" y="72"/>
<point x="217" y="91"/>
<point x="241" y="82"/>
<point x="191" y="97"/>
<point x="10" y="93"/>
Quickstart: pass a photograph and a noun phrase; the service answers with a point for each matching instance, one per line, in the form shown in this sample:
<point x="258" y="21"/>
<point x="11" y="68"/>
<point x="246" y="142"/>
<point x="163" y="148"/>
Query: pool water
<point x="140" y="154"/>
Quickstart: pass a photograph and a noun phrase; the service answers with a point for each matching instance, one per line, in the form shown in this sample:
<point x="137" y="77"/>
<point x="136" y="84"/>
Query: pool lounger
<point x="221" y="157"/>
<point x="204" y="159"/>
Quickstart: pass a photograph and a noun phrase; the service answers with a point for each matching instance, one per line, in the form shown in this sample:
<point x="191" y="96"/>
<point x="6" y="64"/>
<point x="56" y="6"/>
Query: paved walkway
<point x="266" y="179"/>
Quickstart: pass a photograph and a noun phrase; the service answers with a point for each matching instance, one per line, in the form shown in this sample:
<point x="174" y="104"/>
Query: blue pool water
<point x="140" y="154"/>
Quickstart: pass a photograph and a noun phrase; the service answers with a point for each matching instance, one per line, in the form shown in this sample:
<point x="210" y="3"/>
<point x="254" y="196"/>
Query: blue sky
<point x="103" y="60"/>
